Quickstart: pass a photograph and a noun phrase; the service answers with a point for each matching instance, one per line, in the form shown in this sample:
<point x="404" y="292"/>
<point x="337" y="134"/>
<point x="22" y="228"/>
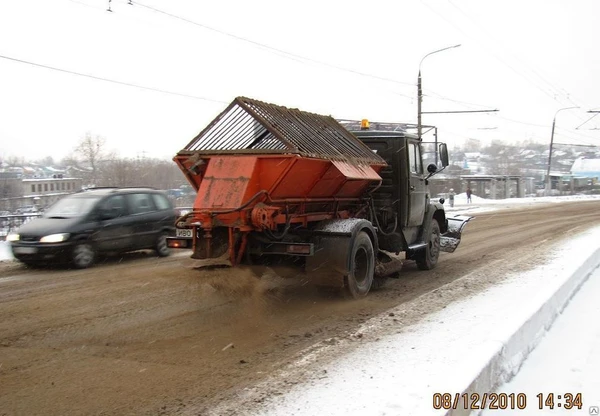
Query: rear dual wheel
<point x="362" y="267"/>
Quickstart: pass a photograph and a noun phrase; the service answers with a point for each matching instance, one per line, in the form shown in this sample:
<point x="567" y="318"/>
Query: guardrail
<point x="9" y="223"/>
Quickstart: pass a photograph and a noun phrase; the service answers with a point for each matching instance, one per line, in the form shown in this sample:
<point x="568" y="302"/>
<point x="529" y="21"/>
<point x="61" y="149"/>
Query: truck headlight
<point x="13" y="237"/>
<point x="55" y="238"/>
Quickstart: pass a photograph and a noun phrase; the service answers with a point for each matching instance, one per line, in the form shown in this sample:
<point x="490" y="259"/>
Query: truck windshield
<point x="71" y="206"/>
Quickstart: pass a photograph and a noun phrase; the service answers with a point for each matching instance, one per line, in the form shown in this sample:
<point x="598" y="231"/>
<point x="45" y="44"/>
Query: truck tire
<point x="362" y="267"/>
<point x="428" y="257"/>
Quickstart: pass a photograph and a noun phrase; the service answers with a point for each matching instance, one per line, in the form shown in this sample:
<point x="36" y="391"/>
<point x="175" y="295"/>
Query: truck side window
<point x="414" y="159"/>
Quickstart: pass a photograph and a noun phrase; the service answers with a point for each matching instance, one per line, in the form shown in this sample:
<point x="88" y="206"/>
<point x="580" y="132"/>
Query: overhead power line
<point x="128" y="84"/>
<point x="272" y="48"/>
<point x="547" y="90"/>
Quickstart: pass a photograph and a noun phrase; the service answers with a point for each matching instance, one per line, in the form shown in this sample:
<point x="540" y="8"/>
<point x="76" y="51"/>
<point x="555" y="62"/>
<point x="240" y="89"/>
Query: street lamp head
<point x="420" y="90"/>
<point x="436" y="51"/>
<point x="564" y="108"/>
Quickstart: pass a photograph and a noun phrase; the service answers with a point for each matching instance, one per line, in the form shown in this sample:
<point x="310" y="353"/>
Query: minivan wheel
<point x="83" y="255"/>
<point x="162" y="249"/>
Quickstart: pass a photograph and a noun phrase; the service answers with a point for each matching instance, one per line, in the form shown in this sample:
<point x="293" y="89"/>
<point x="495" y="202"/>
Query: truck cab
<point x="405" y="209"/>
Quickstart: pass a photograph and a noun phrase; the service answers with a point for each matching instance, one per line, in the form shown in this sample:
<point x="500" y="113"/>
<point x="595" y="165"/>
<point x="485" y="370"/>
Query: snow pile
<point x="486" y="205"/>
<point x="5" y="251"/>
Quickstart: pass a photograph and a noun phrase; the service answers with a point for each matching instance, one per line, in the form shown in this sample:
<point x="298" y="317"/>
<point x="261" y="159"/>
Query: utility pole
<point x="420" y="89"/>
<point x="548" y="180"/>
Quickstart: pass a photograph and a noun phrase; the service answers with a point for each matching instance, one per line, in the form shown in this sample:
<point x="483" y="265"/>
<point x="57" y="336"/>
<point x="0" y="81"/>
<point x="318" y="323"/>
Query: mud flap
<point x="387" y="264"/>
<point x="221" y="261"/>
<point x="450" y="240"/>
<point x="328" y="266"/>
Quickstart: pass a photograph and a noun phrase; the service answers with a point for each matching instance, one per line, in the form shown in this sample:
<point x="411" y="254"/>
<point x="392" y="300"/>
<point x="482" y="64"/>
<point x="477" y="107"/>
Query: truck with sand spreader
<point x="343" y="203"/>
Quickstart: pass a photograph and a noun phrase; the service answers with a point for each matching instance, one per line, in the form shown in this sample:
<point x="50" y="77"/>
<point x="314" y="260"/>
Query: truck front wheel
<point x="428" y="257"/>
<point x="362" y="267"/>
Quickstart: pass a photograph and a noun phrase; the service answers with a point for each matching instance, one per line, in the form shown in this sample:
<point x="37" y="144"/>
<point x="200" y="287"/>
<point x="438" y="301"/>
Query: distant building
<point x="589" y="168"/>
<point x="46" y="191"/>
<point x="39" y="192"/>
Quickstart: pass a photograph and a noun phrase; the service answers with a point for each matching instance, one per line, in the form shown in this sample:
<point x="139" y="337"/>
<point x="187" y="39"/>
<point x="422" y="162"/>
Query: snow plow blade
<point x="451" y="238"/>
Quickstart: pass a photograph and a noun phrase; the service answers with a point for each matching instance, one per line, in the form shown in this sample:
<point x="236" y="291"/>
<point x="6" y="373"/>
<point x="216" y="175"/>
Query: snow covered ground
<point x="484" y="205"/>
<point x="567" y="360"/>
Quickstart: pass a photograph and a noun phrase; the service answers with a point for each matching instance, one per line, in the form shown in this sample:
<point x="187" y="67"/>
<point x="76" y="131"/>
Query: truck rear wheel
<point x="362" y="267"/>
<point x="428" y="257"/>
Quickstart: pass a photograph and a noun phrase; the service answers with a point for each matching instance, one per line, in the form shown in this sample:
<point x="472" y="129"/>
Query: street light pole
<point x="548" y="181"/>
<point x="420" y="89"/>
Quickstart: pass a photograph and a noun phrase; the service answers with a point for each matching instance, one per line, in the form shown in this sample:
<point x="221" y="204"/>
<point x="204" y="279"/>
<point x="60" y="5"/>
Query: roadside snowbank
<point x="485" y="205"/>
<point x="567" y="359"/>
<point x="5" y="251"/>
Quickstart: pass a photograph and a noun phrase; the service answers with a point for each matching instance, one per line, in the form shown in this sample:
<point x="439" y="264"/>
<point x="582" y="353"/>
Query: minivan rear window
<point x="161" y="201"/>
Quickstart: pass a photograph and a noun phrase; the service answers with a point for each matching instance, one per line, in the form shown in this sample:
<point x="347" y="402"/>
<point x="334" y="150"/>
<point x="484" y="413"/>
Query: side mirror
<point x="431" y="168"/>
<point x="443" y="150"/>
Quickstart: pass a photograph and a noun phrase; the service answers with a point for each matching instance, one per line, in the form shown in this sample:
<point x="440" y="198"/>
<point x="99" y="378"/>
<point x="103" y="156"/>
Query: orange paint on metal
<point x="301" y="178"/>
<point x="225" y="183"/>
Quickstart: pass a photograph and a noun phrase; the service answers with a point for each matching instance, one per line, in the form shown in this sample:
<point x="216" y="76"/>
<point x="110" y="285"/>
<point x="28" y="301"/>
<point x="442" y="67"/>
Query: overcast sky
<point x="349" y="59"/>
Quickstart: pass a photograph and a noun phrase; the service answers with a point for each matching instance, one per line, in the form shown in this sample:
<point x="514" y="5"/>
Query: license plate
<point x="184" y="233"/>
<point x="25" y="250"/>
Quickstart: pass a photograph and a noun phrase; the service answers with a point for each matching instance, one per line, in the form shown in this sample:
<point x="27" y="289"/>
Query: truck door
<point x="417" y="186"/>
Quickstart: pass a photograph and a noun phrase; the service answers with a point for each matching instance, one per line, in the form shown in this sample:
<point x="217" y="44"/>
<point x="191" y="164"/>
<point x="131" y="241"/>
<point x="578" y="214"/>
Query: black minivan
<point x="81" y="225"/>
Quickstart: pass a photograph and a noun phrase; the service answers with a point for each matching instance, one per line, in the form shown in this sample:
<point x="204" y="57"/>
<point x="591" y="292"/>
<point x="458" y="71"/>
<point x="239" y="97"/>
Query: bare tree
<point x="91" y="150"/>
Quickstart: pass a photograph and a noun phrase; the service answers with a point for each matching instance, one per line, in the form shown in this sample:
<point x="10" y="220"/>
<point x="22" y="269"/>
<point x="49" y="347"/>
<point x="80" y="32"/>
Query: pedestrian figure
<point x="451" y="197"/>
<point x="469" y="192"/>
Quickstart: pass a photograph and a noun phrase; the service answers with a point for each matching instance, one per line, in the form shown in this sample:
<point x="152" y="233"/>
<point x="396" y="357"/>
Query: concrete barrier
<point x="507" y="360"/>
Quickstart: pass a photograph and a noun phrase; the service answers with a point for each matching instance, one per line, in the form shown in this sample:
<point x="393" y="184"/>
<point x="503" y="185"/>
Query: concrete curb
<point x="507" y="360"/>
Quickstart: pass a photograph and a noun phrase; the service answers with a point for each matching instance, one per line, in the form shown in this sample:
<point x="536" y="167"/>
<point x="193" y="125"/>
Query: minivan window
<point x="140" y="203"/>
<point x="70" y="207"/>
<point x="115" y="205"/>
<point x="161" y="201"/>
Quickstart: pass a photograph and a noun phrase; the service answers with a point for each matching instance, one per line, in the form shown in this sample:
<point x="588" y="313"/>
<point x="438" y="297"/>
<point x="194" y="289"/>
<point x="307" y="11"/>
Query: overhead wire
<point x="464" y="103"/>
<point x="271" y="48"/>
<point x="586" y="121"/>
<point x="535" y="72"/>
<point x="494" y="54"/>
<point x="557" y="89"/>
<point x="129" y="84"/>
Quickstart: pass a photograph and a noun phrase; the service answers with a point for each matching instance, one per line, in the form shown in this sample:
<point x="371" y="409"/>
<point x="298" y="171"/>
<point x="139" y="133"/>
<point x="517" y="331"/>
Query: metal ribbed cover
<point x="252" y="126"/>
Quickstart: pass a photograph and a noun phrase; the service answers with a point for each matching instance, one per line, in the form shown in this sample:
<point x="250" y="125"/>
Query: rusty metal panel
<point x="252" y="126"/>
<point x="225" y="183"/>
